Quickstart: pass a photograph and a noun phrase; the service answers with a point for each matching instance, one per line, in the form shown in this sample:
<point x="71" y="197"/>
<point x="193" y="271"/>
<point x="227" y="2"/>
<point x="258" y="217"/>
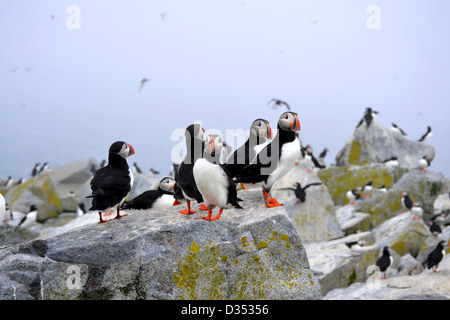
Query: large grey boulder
<point x="254" y="253"/>
<point x="376" y="144"/>
<point x="315" y="218"/>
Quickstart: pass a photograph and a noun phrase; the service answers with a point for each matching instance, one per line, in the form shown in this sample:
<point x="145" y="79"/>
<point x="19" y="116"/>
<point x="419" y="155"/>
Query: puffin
<point x="2" y="208"/>
<point x="369" y="118"/>
<point x="426" y="136"/>
<point x="159" y="198"/>
<point x="276" y="159"/>
<point x="214" y="183"/>
<point x="136" y="168"/>
<point x="367" y="188"/>
<point x="353" y="195"/>
<point x="279" y="103"/>
<point x="396" y="129"/>
<point x="355" y="244"/>
<point x="9" y="182"/>
<point x="300" y="192"/>
<point x="406" y="201"/>
<point x="435" y="257"/>
<point x="424" y="163"/>
<point x="111" y="183"/>
<point x="35" y="170"/>
<point x="385" y="261"/>
<point x="391" y="162"/>
<point x="185" y="187"/>
<point x="30" y="218"/>
<point x="417" y="211"/>
<point x="260" y="131"/>
<point x="435" y="229"/>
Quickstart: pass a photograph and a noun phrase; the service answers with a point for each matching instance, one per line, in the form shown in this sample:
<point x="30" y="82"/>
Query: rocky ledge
<point x="255" y="253"/>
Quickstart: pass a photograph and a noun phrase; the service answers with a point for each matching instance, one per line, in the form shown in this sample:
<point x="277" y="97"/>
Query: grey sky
<point x="67" y="94"/>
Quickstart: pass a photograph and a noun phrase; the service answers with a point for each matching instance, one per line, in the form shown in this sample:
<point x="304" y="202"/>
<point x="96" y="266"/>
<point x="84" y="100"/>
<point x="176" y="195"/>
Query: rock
<point x="424" y="286"/>
<point x="10" y="235"/>
<point x="401" y="233"/>
<point x="376" y="144"/>
<point x="39" y="191"/>
<point x="338" y="266"/>
<point x="409" y="266"/>
<point x="315" y="218"/>
<point x="72" y="176"/>
<point x="254" y="253"/>
<point x="351" y="220"/>
<point x="339" y="180"/>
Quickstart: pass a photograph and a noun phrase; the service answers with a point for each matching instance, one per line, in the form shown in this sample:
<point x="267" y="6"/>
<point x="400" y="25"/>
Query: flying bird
<point x="278" y="103"/>
<point x="300" y="192"/>
<point x="143" y="81"/>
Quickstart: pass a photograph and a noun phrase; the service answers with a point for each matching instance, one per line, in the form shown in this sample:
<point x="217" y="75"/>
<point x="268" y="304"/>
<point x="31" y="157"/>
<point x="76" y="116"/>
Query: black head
<point x="288" y="121"/>
<point x="121" y="148"/>
<point x="194" y="131"/>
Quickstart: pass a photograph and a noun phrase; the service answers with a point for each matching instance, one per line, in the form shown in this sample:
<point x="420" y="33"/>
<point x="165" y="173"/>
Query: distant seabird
<point x="369" y="118"/>
<point x="385" y="261"/>
<point x="278" y="103"/>
<point x="300" y="192"/>
<point x="435" y="257"/>
<point x="426" y="136"/>
<point x="424" y="163"/>
<point x="396" y="129"/>
<point x="143" y="81"/>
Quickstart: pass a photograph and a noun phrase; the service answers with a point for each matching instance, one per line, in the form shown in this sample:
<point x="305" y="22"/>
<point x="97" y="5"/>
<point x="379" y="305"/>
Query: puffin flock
<point x="204" y="177"/>
<point x="201" y="176"/>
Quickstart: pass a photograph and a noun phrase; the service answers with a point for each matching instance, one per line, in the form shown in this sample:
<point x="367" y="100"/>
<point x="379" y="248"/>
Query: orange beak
<point x="131" y="150"/>
<point x="211" y="143"/>
<point x="297" y="124"/>
<point x="269" y="132"/>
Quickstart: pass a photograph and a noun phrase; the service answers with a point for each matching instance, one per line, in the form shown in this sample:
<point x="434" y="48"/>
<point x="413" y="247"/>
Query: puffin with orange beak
<point x="156" y="199"/>
<point x="259" y="133"/>
<point x="111" y="184"/>
<point x="214" y="184"/>
<point x="275" y="159"/>
<point x="185" y="187"/>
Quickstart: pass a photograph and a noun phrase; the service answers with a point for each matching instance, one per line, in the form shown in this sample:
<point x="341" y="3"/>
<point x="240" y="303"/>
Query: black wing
<point x="187" y="183"/>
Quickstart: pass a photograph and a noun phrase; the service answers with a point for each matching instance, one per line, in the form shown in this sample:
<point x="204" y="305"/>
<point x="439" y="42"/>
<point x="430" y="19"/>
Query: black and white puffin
<point x="424" y="163"/>
<point x="397" y="129"/>
<point x="367" y="189"/>
<point x="391" y="162"/>
<point x="259" y="133"/>
<point x="435" y="257"/>
<point x="185" y="187"/>
<point x="355" y="244"/>
<point x="385" y="261"/>
<point x="353" y="195"/>
<point x="111" y="184"/>
<point x="213" y="182"/>
<point x="275" y="159"/>
<point x="159" y="198"/>
<point x="406" y="201"/>
<point x="426" y="136"/>
<point x="417" y="211"/>
<point x="2" y="208"/>
<point x="300" y="192"/>
<point x="35" y="170"/>
<point x="369" y="118"/>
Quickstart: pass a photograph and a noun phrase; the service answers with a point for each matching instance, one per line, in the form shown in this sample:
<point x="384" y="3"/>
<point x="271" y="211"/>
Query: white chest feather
<point x="130" y="174"/>
<point x="212" y="182"/>
<point x="290" y="153"/>
<point x="165" y="201"/>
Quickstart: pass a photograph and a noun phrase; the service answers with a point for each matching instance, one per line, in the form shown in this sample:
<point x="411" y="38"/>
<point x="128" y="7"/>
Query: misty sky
<point x="69" y="83"/>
